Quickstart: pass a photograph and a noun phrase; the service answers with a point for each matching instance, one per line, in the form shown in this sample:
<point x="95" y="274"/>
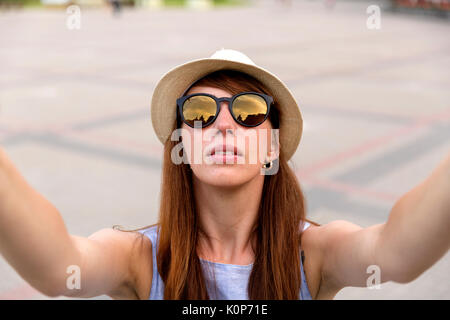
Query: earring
<point x="267" y="165"/>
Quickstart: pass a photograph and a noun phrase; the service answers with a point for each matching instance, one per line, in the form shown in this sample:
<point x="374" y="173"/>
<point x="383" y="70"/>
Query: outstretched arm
<point x="35" y="242"/>
<point x="416" y="235"/>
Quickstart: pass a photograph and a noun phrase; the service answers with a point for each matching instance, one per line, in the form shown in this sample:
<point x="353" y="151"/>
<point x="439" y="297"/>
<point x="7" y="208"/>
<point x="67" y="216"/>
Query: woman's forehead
<point x="210" y="90"/>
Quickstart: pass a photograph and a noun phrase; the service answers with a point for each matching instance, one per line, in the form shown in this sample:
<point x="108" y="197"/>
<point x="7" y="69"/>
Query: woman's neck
<point x="227" y="217"/>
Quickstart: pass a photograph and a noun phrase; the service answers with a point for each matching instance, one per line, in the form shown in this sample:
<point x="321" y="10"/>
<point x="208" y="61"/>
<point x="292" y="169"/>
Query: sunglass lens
<point x="249" y="109"/>
<point x="199" y="108"/>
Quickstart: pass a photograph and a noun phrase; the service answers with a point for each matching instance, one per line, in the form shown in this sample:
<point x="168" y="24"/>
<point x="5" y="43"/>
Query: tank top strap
<point x="304" y="290"/>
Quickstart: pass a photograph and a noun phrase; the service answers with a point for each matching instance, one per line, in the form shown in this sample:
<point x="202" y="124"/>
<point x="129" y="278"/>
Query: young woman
<point x="226" y="230"/>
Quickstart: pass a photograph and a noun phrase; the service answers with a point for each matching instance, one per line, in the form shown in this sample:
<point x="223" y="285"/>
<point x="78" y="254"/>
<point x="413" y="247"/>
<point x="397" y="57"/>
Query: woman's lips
<point x="224" y="157"/>
<point x="223" y="154"/>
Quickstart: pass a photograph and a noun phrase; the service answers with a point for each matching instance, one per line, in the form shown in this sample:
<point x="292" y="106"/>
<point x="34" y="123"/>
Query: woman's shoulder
<point x="325" y="234"/>
<point x="315" y="241"/>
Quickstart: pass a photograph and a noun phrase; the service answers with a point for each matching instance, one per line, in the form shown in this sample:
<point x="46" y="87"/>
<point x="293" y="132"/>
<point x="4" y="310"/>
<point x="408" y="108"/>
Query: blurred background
<point x="371" y="78"/>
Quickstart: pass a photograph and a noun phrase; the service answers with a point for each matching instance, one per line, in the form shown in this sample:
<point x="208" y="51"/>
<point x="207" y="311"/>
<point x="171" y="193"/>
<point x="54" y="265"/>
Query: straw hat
<point x="176" y="81"/>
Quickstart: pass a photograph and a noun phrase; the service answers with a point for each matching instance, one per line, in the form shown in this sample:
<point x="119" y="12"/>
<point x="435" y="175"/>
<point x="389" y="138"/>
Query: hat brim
<point x="174" y="83"/>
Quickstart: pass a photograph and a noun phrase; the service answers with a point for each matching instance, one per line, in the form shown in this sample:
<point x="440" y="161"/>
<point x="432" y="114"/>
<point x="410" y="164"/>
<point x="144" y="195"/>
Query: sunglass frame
<point x="268" y="99"/>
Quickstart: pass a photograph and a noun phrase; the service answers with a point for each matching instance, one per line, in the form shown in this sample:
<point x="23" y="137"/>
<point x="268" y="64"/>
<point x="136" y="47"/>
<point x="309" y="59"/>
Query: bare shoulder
<point x="131" y="255"/>
<point x="315" y="240"/>
<point x="320" y="236"/>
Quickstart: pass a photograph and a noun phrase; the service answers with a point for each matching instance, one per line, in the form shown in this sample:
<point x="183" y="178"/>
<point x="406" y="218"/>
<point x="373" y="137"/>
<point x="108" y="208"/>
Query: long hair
<point x="276" y="268"/>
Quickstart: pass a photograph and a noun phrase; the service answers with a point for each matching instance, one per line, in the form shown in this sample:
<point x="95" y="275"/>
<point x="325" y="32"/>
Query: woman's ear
<point x="271" y="164"/>
<point x="273" y="155"/>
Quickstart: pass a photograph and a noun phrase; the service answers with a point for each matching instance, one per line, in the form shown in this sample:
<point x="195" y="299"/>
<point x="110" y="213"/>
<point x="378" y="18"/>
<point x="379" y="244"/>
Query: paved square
<point x="74" y="109"/>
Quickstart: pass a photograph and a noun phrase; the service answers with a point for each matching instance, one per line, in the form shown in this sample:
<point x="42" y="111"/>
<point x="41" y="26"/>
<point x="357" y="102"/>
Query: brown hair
<point x="276" y="268"/>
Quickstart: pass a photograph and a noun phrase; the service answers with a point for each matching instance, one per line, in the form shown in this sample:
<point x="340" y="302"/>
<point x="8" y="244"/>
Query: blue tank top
<point x="223" y="281"/>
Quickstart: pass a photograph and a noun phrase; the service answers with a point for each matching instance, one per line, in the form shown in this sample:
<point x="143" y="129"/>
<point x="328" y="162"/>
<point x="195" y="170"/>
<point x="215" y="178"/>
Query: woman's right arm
<point x="36" y="243"/>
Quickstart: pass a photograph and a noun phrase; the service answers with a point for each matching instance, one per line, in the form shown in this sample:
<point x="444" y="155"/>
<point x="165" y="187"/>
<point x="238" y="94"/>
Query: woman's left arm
<point x="416" y="235"/>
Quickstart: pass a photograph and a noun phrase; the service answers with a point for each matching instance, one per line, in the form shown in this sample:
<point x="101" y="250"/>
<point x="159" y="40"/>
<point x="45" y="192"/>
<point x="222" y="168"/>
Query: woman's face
<point x="204" y="148"/>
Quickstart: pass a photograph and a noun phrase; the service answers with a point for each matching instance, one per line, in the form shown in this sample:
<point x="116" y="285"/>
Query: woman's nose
<point x="224" y="119"/>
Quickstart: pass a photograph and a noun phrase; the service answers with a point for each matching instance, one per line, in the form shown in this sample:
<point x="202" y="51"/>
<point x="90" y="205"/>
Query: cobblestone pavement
<point x="74" y="109"/>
